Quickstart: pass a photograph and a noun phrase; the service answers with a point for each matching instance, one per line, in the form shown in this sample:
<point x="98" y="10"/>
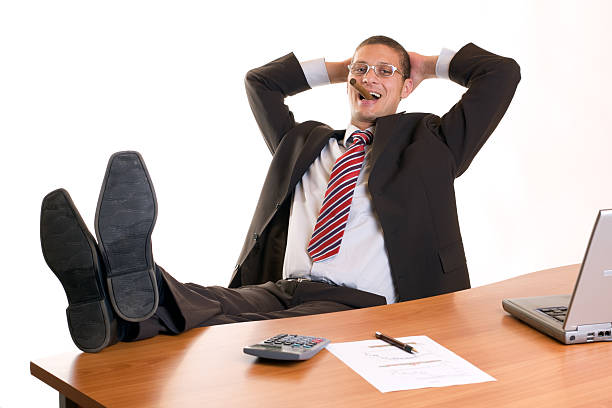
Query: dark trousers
<point x="184" y="306"/>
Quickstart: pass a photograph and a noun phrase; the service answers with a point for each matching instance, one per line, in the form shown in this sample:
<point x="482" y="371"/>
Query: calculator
<point x="287" y="347"/>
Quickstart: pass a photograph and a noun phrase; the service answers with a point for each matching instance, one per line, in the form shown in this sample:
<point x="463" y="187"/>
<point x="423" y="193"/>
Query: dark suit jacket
<point x="416" y="158"/>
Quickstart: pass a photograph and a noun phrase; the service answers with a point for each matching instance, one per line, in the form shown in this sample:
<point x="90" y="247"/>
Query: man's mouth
<point x="376" y="95"/>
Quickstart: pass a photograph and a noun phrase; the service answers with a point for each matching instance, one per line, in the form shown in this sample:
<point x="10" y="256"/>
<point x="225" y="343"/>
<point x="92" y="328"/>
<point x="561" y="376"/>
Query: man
<point x="346" y="219"/>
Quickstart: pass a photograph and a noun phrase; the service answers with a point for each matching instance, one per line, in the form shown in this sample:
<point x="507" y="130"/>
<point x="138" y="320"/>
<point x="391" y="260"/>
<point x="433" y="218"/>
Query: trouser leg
<point x="189" y="305"/>
<point x="301" y="299"/>
<point x="304" y="309"/>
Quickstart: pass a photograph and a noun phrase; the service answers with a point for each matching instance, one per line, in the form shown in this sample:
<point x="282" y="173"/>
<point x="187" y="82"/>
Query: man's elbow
<point x="251" y="79"/>
<point x="513" y="70"/>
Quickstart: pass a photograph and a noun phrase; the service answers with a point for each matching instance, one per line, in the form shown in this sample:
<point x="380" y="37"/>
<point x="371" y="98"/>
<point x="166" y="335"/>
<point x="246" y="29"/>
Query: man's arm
<point x="267" y="87"/>
<point x="491" y="81"/>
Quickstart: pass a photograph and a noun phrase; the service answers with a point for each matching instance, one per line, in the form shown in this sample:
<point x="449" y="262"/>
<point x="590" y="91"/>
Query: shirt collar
<point x="350" y="129"/>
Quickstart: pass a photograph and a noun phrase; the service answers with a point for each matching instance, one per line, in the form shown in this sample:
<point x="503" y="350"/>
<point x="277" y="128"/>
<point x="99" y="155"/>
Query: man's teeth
<point x="376" y="95"/>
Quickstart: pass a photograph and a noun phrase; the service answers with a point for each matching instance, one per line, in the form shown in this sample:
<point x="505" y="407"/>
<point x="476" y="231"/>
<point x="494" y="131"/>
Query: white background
<point x="80" y="80"/>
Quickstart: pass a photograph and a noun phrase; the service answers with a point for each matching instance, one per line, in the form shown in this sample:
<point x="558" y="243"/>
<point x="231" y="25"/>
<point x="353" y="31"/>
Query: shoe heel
<point x="134" y="294"/>
<point x="91" y="326"/>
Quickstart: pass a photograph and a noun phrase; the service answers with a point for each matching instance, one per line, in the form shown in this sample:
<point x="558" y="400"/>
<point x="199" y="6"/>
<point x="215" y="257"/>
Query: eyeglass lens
<point x="382" y="70"/>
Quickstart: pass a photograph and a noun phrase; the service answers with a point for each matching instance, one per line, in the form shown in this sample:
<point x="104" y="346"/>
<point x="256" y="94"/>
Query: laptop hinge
<point x="593" y="327"/>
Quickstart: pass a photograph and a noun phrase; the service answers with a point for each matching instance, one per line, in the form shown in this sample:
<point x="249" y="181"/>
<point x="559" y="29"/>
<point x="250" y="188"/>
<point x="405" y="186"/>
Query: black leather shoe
<point x="125" y="217"/>
<point x="71" y="253"/>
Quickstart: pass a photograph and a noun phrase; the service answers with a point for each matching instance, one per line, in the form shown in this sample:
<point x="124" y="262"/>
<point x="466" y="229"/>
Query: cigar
<point x="361" y="89"/>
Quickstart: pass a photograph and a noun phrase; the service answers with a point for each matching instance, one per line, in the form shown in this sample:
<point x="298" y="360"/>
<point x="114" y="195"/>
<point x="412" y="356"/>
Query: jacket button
<point x="277" y="206"/>
<point x="255" y="236"/>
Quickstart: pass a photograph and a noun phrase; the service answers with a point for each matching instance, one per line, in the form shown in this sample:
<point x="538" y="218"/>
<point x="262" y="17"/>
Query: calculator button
<point x="287" y="347"/>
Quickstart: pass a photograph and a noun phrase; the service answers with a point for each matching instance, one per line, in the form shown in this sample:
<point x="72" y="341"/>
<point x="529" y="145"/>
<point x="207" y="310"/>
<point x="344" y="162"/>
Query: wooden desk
<point x="206" y="367"/>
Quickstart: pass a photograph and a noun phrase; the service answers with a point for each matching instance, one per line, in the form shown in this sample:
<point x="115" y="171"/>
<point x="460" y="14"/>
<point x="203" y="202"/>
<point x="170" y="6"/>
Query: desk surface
<point x="206" y="366"/>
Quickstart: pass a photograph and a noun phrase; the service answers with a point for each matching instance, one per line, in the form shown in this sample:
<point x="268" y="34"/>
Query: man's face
<point x="391" y="89"/>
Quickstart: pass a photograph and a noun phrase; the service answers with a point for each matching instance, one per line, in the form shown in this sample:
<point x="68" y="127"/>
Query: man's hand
<point x="338" y="71"/>
<point x="422" y="67"/>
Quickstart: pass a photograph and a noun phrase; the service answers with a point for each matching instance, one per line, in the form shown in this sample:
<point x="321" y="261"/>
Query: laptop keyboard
<point x="557" y="312"/>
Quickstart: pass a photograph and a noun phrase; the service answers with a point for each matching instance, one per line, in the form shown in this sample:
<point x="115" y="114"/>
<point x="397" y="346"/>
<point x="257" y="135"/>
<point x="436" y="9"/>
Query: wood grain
<point x="206" y="366"/>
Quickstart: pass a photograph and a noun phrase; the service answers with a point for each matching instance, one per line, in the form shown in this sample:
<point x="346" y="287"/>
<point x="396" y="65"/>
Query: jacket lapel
<point x="382" y="136"/>
<point x="310" y="151"/>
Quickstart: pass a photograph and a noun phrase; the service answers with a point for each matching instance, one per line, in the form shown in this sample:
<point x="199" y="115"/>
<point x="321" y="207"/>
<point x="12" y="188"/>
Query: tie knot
<point x="360" y="136"/>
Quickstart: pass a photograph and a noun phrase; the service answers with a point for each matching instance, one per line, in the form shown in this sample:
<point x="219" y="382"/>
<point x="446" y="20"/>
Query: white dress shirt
<point x="362" y="262"/>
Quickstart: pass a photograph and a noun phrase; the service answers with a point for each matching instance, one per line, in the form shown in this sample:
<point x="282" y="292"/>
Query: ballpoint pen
<point x="396" y="343"/>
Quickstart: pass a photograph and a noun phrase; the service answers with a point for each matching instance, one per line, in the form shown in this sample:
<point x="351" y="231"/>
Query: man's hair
<point x="391" y="43"/>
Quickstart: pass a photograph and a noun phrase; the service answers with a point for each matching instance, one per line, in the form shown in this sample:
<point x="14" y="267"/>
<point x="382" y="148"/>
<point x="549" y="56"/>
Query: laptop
<point x="585" y="316"/>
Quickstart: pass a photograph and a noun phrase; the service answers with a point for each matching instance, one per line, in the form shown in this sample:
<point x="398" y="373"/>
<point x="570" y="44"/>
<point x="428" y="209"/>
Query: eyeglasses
<point x="381" y="70"/>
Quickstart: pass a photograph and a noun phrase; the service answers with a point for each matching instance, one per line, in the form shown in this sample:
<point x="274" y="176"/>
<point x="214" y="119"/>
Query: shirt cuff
<point x="315" y="72"/>
<point x="443" y="63"/>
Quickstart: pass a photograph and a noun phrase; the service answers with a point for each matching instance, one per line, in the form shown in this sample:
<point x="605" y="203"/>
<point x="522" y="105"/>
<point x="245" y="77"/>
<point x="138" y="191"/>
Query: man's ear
<point x="406" y="88"/>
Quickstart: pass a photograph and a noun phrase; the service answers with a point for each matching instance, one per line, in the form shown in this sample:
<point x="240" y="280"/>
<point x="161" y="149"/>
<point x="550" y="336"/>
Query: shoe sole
<point x="70" y="251"/>
<point x="125" y="217"/>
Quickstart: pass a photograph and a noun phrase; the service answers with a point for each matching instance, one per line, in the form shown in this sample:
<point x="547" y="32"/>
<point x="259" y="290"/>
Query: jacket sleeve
<point x="267" y="87"/>
<point x="491" y="81"/>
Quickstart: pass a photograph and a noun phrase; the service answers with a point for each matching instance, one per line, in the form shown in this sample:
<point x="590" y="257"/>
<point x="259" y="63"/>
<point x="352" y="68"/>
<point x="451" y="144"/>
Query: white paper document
<point x="389" y="368"/>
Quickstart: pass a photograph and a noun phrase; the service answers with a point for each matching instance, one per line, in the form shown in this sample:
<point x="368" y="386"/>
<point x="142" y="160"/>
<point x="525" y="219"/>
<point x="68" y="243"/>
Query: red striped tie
<point x="329" y="229"/>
